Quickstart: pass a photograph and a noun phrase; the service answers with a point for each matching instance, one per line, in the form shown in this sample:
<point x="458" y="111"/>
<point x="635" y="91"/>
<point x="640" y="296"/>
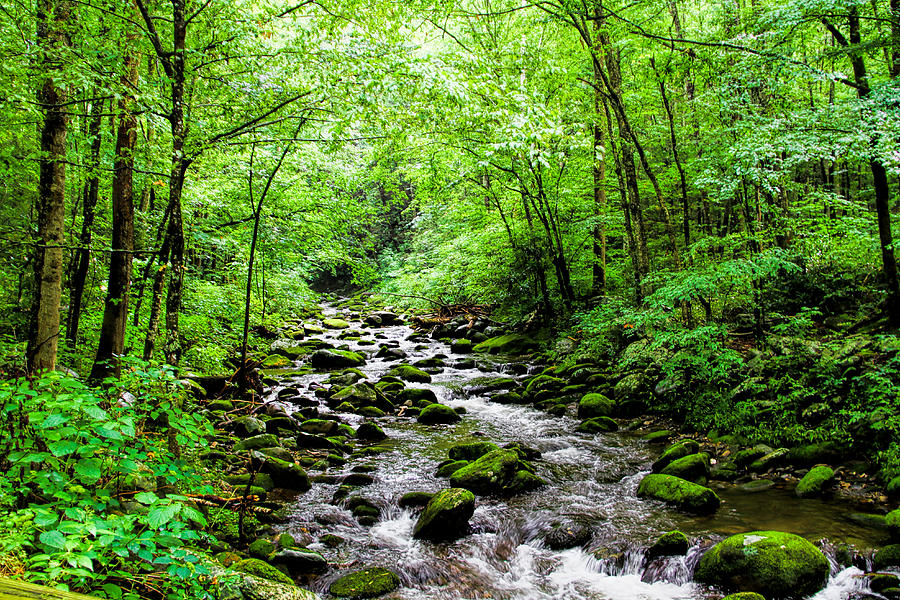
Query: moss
<point x="258" y="568"/>
<point x="680" y="493"/>
<point x="446" y="516"/>
<point x="892" y="522"/>
<point x="370" y="411"/>
<point x="815" y="482"/>
<point x="512" y="343"/>
<point x="674" y="452"/>
<point x="367" y="583"/>
<point x="694" y="467"/>
<point x="595" y="405"/>
<point x="438" y="413"/>
<point x="745" y="596"/>
<point x="276" y="361"/>
<point x="887" y="557"/>
<point x="449" y="468"/>
<point x="772" y="563"/>
<point x="658" y="437"/>
<point x="673" y="543"/>
<point x="471" y="451"/>
<point x="598" y="425"/>
<point x="488" y="474"/>
<point x="544" y="383"/>
<point x="261" y="548"/>
<point x="410" y="373"/>
<point x="224" y="524"/>
<point x="335" y="323"/>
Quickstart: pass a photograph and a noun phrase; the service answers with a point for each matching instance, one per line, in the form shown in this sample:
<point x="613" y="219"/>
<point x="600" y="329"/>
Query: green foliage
<point x="72" y="457"/>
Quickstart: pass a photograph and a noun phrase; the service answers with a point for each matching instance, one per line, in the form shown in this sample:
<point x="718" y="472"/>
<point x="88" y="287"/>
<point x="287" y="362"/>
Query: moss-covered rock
<point x="276" y="361"/>
<point x="673" y="543"/>
<point x="744" y="596"/>
<point x="471" y="451"/>
<point x="446" y="516"/>
<point x="414" y="499"/>
<point x="259" y="568"/>
<point x="410" y="373"/>
<point x="674" y="452"/>
<point x="595" y="405"/>
<point x="497" y="472"/>
<point x="261" y="548"/>
<point x="892" y="522"/>
<point x="286" y="474"/>
<point x="512" y="343"/>
<point x="336" y="359"/>
<point x="266" y="440"/>
<point x="887" y="558"/>
<point x="371" y="432"/>
<point x="417" y="396"/>
<point x="335" y="324"/>
<point x="448" y="468"/>
<point x="769" y="461"/>
<point x="435" y="414"/>
<point x="693" y="467"/>
<point x="816" y="482"/>
<point x="300" y="561"/>
<point x="357" y="394"/>
<point x="544" y="383"/>
<point x="683" y="495"/>
<point x="368" y="583"/>
<point x="658" y="437"/>
<point x="259" y="479"/>
<point x="319" y="426"/>
<point x="771" y="563"/>
<point x="461" y="346"/>
<point x="597" y="425"/>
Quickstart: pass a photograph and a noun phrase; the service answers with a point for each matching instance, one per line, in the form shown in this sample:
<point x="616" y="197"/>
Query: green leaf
<point x="53" y="421"/>
<point x="146" y="497"/>
<point x="54" y="539"/>
<point x="161" y="515"/>
<point x="88" y="470"/>
<point x="62" y="447"/>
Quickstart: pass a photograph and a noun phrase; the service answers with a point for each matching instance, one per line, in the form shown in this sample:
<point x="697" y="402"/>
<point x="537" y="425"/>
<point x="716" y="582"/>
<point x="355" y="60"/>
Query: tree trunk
<point x="115" y="314"/>
<point x="89" y="204"/>
<point x="598" y="170"/>
<point x="53" y="18"/>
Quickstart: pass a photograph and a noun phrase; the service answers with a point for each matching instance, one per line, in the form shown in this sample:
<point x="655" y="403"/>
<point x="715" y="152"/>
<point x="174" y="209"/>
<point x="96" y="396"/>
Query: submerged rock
<point x="367" y="583"/>
<point x="680" y="493"/>
<point x="771" y="563"/>
<point x="446" y="516"/>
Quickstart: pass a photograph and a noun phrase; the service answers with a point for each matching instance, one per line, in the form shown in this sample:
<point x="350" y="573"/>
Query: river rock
<point x="410" y="373"/>
<point x="673" y="543"/>
<point x="497" y="472"/>
<point x="368" y="583"/>
<point x="370" y="432"/>
<point x="300" y="561"/>
<point x="598" y="425"/>
<point x="335" y="324"/>
<point x="336" y="359"/>
<point x="693" y="467"/>
<point x="261" y="479"/>
<point x="446" y="516"/>
<point x="259" y="568"/>
<point x="471" y="451"/>
<point x="266" y="440"/>
<point x="887" y="558"/>
<point x="771" y="563"/>
<point x="892" y="521"/>
<point x="414" y="499"/>
<point x="512" y="343"/>
<point x="319" y="426"/>
<point x="680" y="493"/>
<point x="357" y="394"/>
<point x="595" y="405"/>
<point x="417" y="396"/>
<point x="674" y="452"/>
<point x="562" y="535"/>
<point x="249" y="426"/>
<point x="769" y="461"/>
<point x="287" y="475"/>
<point x="435" y="414"/>
<point x="462" y="346"/>
<point x="816" y="482"/>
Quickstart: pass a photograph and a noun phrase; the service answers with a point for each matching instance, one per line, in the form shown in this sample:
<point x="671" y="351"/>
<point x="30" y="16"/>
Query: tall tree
<point x="54" y="19"/>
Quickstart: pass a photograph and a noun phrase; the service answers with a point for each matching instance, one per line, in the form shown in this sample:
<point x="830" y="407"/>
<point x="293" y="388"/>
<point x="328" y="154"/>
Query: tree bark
<point x="115" y="315"/>
<point x="53" y="19"/>
<point x="598" y="171"/>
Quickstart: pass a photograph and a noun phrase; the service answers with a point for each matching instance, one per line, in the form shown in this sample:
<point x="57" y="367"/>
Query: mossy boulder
<point x="816" y="482"/>
<point x="286" y="474"/>
<point x="499" y="472"/>
<point x="544" y="383"/>
<point x="471" y="451"/>
<point x="892" y="522"/>
<point x="682" y="494"/>
<point x="336" y="359"/>
<point x="693" y="467"/>
<point x="597" y="425"/>
<point x="300" y="561"/>
<point x="771" y="563"/>
<point x="744" y="596"/>
<point x="410" y="373"/>
<point x="368" y="583"/>
<point x="887" y="558"/>
<point x="673" y="543"/>
<point x="259" y="568"/>
<point x="266" y="440"/>
<point x="595" y="405"/>
<point x="446" y="516"/>
<point x="511" y="343"/>
<point x="335" y="324"/>
<point x="768" y="461"/>
<point x="414" y="499"/>
<point x="674" y="452"/>
<point x="461" y="346"/>
<point x="261" y="548"/>
<point x="417" y="396"/>
<point x="259" y="479"/>
<point x="370" y="432"/>
<point x="435" y="414"/>
<point x="448" y="468"/>
<point x="357" y="394"/>
<point x="276" y="361"/>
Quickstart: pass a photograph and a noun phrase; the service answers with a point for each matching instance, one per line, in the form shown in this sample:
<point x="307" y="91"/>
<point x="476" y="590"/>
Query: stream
<point x="591" y="478"/>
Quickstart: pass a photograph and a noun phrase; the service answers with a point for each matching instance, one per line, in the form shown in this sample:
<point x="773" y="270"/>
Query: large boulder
<point x="266" y="440"/>
<point x="816" y="482"/>
<point x="680" y="493"/>
<point x="368" y="583"/>
<point x="771" y="563"/>
<point x="512" y="343"/>
<point x="446" y="516"/>
<point x="673" y="543"/>
<point x="285" y="474"/>
<point x="300" y="561"/>
<point x="471" y="451"/>
<point x="595" y="405"/>
<point x="674" y="452"/>
<point x="497" y="472"/>
<point x="336" y="359"/>
<point x="693" y="467"/>
<point x="335" y="323"/>
<point x="357" y="394"/>
<point x="887" y="558"/>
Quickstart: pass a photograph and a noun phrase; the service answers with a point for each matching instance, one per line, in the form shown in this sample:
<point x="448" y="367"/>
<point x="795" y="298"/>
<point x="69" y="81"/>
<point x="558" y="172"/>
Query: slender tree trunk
<point x="89" y="205"/>
<point x="115" y="314"/>
<point x="598" y="170"/>
<point x="53" y="18"/>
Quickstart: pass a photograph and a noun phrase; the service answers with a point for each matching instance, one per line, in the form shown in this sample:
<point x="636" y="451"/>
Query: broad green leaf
<point x="53" y="538"/>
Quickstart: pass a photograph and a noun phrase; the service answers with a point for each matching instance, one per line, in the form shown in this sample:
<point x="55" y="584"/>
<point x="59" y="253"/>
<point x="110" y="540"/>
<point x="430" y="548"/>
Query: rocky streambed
<point x="556" y="491"/>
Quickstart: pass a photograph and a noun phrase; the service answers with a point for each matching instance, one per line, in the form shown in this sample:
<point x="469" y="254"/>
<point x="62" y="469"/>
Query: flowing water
<point x="590" y="478"/>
